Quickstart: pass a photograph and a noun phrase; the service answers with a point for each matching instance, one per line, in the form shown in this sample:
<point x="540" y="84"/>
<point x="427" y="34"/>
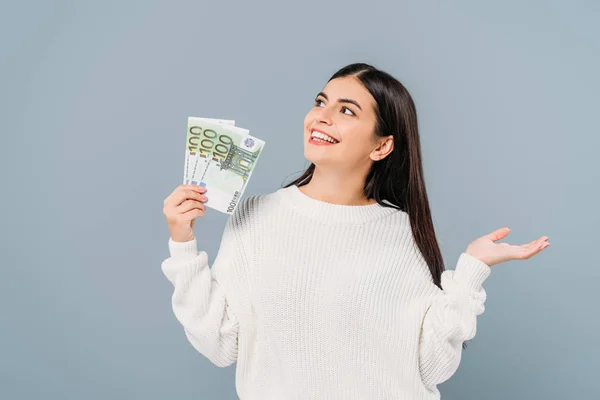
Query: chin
<point x="310" y="156"/>
<point x="318" y="155"/>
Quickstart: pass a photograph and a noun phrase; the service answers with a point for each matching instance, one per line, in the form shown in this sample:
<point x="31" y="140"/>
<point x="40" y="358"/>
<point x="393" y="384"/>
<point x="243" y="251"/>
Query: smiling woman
<point x="338" y="116"/>
<point x="334" y="287"/>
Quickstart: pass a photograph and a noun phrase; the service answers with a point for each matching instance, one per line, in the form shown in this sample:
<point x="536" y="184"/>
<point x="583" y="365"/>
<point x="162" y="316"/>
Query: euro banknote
<point x="222" y="158"/>
<point x="195" y="135"/>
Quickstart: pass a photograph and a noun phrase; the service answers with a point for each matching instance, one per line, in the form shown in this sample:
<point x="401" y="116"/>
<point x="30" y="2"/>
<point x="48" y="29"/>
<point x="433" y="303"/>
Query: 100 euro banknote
<point x="195" y="159"/>
<point x="232" y="156"/>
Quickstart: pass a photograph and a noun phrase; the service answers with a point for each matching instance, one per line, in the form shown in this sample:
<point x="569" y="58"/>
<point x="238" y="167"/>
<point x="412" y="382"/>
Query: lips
<point x="322" y="137"/>
<point x="319" y="142"/>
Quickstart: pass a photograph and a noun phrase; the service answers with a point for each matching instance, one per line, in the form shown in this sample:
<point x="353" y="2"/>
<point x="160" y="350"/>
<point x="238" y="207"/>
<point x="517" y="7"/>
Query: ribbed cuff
<point x="179" y="250"/>
<point x="471" y="271"/>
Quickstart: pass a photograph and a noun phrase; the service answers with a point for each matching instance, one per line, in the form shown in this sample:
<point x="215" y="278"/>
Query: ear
<point x="385" y="147"/>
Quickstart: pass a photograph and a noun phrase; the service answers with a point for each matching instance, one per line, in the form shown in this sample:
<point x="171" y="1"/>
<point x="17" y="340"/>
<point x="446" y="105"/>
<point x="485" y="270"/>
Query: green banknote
<point x="232" y="156"/>
<point x="195" y="135"/>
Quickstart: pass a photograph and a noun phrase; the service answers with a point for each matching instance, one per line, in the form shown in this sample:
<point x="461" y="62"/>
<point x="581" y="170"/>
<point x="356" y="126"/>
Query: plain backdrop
<point x="94" y="98"/>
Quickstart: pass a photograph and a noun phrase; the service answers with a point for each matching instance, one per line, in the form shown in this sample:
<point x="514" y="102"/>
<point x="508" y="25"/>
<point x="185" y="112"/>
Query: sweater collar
<point x="329" y="212"/>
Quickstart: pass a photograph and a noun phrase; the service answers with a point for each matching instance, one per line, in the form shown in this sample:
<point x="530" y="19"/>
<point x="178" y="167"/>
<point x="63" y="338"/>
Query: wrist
<point x="183" y="249"/>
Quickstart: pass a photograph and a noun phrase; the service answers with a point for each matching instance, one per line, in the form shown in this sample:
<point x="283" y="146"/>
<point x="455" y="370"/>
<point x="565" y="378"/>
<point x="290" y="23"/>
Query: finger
<point x="536" y="243"/>
<point x="190" y="215"/>
<point x="183" y="194"/>
<point x="178" y="189"/>
<point x="530" y="244"/>
<point x="542" y="242"/>
<point x="189" y="205"/>
<point x="521" y="252"/>
<point x="202" y="198"/>
<point x="197" y="188"/>
<point x="498" y="234"/>
<point x="525" y="252"/>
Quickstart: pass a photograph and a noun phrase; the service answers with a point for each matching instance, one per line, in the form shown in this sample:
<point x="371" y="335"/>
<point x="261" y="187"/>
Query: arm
<point x="200" y="302"/>
<point x="451" y="319"/>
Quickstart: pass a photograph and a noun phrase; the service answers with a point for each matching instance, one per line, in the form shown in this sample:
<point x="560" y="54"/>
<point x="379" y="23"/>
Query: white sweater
<point x="315" y="300"/>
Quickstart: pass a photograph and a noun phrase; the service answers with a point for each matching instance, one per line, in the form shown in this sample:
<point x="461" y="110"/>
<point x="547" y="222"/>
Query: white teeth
<point x="319" y="135"/>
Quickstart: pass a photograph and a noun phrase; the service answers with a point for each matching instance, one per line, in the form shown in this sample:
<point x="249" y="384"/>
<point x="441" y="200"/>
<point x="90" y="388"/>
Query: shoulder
<point x="255" y="204"/>
<point x="251" y="208"/>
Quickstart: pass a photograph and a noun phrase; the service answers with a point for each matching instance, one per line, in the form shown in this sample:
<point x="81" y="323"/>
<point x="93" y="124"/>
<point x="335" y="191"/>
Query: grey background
<point x="94" y="101"/>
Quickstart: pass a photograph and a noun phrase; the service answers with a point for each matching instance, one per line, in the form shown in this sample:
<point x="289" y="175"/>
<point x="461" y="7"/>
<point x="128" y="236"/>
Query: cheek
<point x="358" y="138"/>
<point x="351" y="130"/>
<point x="308" y="122"/>
<point x="308" y="118"/>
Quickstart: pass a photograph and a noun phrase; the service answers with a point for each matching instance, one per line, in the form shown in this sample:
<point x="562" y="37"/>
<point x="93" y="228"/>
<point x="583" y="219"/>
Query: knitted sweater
<point x="315" y="300"/>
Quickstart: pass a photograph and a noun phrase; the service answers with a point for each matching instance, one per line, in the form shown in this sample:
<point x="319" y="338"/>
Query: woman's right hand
<point x="181" y="208"/>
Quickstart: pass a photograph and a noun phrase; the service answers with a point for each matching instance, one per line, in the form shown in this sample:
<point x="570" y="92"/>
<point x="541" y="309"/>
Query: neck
<point x="337" y="188"/>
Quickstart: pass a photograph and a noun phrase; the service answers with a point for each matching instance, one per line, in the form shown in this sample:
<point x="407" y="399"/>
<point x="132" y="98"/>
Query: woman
<point x="333" y="287"/>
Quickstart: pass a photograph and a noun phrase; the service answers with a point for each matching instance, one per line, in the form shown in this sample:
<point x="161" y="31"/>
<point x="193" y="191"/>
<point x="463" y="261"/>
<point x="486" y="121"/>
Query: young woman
<point x="334" y="287"/>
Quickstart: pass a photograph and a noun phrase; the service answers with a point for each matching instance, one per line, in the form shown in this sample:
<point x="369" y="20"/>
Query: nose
<point x="324" y="115"/>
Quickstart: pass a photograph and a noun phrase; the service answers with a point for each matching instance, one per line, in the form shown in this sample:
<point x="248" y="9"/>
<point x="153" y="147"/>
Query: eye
<point x="317" y="101"/>
<point x="347" y="109"/>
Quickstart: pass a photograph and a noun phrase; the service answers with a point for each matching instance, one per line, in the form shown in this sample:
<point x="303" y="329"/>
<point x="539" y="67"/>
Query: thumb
<point x="498" y="234"/>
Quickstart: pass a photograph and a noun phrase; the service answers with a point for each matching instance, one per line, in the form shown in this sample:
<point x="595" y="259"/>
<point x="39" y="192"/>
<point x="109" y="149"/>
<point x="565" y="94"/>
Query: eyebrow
<point x="342" y="100"/>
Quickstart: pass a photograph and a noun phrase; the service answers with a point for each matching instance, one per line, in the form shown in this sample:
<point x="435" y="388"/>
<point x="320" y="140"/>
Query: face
<point x="340" y="128"/>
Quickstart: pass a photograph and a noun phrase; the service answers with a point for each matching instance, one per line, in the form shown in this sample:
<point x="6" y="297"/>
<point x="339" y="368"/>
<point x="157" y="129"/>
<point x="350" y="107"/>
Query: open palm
<point x="491" y="253"/>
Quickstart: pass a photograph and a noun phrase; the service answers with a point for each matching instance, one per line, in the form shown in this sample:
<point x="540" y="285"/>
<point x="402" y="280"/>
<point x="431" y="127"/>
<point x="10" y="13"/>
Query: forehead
<point x="348" y="87"/>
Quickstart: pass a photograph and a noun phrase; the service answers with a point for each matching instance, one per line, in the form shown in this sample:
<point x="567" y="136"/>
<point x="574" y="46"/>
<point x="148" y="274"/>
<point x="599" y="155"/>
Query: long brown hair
<point x="398" y="178"/>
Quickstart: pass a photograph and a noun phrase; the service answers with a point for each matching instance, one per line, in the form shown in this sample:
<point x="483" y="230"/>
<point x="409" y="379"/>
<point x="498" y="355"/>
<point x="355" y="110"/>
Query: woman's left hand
<point x="492" y="253"/>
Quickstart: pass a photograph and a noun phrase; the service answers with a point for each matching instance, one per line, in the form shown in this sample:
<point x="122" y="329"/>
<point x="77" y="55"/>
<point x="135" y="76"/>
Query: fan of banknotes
<point x="221" y="157"/>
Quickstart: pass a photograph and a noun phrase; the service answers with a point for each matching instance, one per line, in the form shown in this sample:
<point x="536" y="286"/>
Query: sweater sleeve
<point x="451" y="319"/>
<point x="199" y="300"/>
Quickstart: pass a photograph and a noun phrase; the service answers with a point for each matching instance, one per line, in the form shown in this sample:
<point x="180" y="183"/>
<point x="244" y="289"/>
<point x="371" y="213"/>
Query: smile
<point x="321" y="137"/>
